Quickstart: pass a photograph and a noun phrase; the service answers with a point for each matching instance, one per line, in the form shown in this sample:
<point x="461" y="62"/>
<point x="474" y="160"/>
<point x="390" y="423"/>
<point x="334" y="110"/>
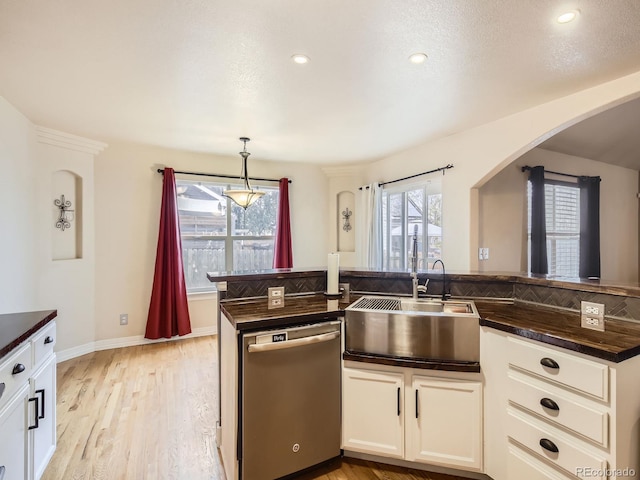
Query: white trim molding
<point x="68" y="141"/>
<point x="122" y="342"/>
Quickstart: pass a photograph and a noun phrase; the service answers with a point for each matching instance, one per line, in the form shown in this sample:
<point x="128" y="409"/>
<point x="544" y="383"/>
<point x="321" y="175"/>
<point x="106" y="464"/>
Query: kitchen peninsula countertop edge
<point x="15" y="328"/>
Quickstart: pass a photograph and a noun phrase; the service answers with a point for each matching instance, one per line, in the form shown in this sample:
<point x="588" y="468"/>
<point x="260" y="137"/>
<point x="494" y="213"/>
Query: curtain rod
<point x="441" y="169"/>
<point x="161" y="170"/>
<point x="527" y="168"/>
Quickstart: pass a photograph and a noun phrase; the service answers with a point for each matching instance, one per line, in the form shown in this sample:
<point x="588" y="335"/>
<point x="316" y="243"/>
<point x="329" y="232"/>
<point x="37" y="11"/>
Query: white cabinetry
<point x="27" y="407"/>
<point x="373" y="412"/>
<point x="446" y="426"/>
<point x="558" y="414"/>
<point x="402" y="413"/>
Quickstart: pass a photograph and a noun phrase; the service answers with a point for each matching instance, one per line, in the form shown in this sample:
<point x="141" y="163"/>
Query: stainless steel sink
<point x="413" y="328"/>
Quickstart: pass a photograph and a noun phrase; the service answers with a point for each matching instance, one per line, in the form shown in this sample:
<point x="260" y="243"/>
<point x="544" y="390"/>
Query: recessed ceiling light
<point x="418" y="58"/>
<point x="300" y="59"/>
<point x="568" y="16"/>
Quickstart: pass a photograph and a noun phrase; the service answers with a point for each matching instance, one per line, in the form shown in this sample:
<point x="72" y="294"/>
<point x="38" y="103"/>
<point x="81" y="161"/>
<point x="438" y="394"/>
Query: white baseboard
<point x="99" y="345"/>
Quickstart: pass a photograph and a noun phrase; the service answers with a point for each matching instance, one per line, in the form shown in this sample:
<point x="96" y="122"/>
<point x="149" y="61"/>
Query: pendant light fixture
<point x="246" y="196"/>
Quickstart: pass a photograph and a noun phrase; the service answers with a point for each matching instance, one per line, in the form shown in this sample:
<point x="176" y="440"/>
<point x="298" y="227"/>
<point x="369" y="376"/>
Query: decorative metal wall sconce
<point x="346" y="214"/>
<point x="64" y="220"/>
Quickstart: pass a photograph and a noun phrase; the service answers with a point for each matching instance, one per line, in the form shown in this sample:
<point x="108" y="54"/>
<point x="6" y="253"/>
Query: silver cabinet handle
<point x="2" y="470"/>
<point x="298" y="342"/>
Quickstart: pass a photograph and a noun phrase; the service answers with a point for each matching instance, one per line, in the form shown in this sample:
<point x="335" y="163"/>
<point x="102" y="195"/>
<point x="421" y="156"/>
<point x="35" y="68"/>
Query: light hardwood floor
<point x="149" y="412"/>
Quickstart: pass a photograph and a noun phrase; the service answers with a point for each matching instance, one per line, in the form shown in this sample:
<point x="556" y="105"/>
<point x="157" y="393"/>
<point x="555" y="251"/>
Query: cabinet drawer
<point x="569" y="456"/>
<point x="524" y="466"/>
<point x="568" y="370"/>
<point x="586" y="420"/>
<point x="18" y="360"/>
<point x="43" y="343"/>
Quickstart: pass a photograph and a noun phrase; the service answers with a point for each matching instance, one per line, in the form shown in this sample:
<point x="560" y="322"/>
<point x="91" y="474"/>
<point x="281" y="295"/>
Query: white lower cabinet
<point x="373" y="412"/>
<point x="403" y="413"/>
<point x="558" y="414"/>
<point x="13" y="437"/>
<point x="446" y="425"/>
<point x="43" y="440"/>
<point x="28" y="407"/>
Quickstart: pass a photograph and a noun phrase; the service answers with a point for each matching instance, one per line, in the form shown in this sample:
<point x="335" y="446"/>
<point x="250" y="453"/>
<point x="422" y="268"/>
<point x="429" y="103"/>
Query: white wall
<point x="503" y="214"/>
<point x="128" y="193"/>
<point x="69" y="284"/>
<point x="479" y="153"/>
<point x="19" y="228"/>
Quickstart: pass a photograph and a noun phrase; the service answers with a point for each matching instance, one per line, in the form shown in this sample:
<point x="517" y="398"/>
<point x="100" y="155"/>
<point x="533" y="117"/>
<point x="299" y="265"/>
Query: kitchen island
<point x="594" y="428"/>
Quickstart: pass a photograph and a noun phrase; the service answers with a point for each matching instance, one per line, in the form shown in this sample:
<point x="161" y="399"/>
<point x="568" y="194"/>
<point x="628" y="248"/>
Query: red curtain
<point x="283" y="253"/>
<point x="168" y="310"/>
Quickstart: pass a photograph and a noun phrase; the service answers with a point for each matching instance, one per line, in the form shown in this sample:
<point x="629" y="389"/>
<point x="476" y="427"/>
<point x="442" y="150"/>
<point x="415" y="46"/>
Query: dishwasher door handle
<point x="297" y="342"/>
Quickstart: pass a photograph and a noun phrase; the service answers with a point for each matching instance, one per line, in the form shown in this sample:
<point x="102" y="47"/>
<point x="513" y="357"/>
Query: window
<point x="562" y="211"/>
<point x="404" y="210"/>
<point x="218" y="235"/>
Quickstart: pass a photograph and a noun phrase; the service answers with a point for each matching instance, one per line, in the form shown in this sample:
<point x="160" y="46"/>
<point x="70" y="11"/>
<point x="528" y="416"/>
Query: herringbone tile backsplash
<point x="615" y="305"/>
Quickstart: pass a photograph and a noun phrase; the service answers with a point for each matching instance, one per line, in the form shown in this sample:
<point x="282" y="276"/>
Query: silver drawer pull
<point x="548" y="445"/>
<point x="298" y="342"/>
<point x="48" y="340"/>
<point x="550" y="404"/>
<point x="549" y="363"/>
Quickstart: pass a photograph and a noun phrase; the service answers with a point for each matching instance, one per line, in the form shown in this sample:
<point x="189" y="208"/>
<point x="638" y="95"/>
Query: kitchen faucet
<point x="417" y="288"/>
<point x="445" y="295"/>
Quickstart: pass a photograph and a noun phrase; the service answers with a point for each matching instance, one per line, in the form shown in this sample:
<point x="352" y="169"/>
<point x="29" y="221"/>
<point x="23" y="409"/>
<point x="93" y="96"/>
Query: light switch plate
<point x="344" y="289"/>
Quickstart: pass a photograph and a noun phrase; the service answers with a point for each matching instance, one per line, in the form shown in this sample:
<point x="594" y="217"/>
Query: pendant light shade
<point x="247" y="195"/>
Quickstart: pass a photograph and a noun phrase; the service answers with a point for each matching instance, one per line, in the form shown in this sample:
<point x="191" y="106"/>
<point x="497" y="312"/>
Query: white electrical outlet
<point x="275" y="297"/>
<point x="592" y="315"/>
<point x="124" y="319"/>
<point x="592" y="309"/>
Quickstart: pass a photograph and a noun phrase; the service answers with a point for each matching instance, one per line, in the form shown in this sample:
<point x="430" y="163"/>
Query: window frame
<point x="552" y="261"/>
<point x="228" y="238"/>
<point x="429" y="188"/>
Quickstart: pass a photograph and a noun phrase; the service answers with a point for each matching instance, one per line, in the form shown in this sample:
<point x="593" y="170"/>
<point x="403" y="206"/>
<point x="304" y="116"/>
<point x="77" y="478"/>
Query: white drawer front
<point x="43" y="343"/>
<point x="590" y="421"/>
<point x="9" y="381"/>
<point x="570" y="457"/>
<point x="521" y="465"/>
<point x="583" y="375"/>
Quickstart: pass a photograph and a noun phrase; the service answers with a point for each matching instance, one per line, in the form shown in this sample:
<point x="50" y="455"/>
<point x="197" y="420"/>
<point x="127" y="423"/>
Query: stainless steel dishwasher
<point x="290" y="400"/>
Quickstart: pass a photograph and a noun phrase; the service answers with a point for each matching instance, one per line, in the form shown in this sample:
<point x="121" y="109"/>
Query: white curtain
<point x="369" y="231"/>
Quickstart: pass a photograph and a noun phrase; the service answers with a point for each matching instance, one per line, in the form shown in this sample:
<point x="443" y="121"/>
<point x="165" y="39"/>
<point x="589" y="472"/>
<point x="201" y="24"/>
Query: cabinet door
<point x="372" y="412"/>
<point x="13" y="436"/>
<point x="43" y="386"/>
<point x="444" y="422"/>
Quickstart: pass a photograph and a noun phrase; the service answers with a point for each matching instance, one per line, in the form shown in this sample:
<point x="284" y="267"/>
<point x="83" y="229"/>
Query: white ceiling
<point x="198" y="74"/>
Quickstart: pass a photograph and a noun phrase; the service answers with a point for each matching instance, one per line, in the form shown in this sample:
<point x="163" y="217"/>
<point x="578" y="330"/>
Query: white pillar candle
<point x="333" y="271"/>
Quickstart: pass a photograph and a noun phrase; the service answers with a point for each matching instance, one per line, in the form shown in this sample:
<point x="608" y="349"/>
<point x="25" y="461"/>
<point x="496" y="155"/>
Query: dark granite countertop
<point x="254" y="314"/>
<point x="15" y="328"/>
<point x="619" y="341"/>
